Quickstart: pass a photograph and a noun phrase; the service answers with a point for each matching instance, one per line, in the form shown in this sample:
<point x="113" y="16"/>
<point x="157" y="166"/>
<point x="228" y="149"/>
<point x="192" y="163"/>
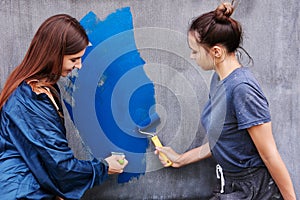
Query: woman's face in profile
<point x="199" y="54"/>
<point x="71" y="62"/>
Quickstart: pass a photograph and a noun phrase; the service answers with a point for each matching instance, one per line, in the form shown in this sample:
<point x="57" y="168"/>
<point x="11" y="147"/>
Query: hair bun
<point x="224" y="11"/>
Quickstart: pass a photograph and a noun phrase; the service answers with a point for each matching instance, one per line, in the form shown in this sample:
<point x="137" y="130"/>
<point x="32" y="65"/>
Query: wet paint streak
<point x="112" y="94"/>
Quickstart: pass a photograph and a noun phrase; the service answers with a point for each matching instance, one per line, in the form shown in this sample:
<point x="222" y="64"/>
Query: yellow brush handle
<point x="157" y="143"/>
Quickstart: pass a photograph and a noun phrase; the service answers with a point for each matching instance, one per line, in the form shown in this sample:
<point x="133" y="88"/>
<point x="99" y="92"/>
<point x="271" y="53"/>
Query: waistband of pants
<point x="245" y="173"/>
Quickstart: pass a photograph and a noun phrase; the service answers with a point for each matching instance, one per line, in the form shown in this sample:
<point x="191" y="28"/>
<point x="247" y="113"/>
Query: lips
<point x="68" y="71"/>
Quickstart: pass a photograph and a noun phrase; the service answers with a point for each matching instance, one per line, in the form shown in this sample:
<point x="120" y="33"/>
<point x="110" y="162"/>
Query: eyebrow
<point x="76" y="58"/>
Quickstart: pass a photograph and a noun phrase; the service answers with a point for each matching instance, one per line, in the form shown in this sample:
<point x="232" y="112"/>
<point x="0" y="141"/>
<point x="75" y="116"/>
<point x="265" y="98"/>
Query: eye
<point x="73" y="60"/>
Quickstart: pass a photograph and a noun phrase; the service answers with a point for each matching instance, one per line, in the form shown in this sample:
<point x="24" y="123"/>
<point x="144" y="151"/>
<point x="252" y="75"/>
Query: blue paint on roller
<point x="149" y="124"/>
<point x="111" y="95"/>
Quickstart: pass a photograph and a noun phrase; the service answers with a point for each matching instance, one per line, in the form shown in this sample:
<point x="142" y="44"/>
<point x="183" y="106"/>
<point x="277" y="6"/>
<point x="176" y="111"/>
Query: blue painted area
<point x="112" y="94"/>
<point x="112" y="123"/>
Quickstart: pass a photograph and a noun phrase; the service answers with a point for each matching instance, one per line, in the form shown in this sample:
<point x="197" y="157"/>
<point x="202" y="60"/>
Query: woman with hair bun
<point x="35" y="160"/>
<point x="236" y="117"/>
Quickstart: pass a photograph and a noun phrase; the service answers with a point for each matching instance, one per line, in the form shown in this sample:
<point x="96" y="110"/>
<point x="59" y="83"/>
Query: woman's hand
<point x="171" y="154"/>
<point x="116" y="164"/>
<point x="179" y="160"/>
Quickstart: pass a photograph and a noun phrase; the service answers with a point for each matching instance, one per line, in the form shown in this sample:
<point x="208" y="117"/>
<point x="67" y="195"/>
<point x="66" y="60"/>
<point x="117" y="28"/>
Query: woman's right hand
<point x="116" y="164"/>
<point x="171" y="154"/>
<point x="191" y="156"/>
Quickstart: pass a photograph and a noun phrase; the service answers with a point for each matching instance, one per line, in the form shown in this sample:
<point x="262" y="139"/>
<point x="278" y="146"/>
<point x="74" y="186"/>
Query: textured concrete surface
<point x="271" y="37"/>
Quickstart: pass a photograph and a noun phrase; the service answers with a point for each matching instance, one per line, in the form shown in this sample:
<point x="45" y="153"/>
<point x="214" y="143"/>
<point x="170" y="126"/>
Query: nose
<point x="78" y="64"/>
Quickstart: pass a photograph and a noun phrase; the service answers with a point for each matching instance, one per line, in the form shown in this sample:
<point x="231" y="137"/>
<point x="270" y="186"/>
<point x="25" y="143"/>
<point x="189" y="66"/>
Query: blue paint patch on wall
<point x="111" y="94"/>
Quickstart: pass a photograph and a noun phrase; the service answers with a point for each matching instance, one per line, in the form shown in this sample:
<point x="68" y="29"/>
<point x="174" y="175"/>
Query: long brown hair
<point x="59" y="35"/>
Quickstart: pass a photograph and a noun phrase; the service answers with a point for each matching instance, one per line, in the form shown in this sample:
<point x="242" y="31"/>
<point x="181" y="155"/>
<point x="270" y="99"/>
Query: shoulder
<point x="18" y="96"/>
<point x="241" y="75"/>
<point x="23" y="97"/>
<point x="242" y="79"/>
<point x="248" y="91"/>
<point x="247" y="82"/>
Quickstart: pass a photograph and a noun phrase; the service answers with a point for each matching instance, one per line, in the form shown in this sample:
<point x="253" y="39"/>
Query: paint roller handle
<point x="157" y="143"/>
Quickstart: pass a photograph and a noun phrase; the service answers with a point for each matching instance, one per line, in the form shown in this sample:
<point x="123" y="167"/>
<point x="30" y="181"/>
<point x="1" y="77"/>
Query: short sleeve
<point x="251" y="106"/>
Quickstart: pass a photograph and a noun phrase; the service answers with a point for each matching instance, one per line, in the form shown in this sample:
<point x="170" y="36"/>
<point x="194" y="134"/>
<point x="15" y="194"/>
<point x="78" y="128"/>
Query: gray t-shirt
<point x="235" y="104"/>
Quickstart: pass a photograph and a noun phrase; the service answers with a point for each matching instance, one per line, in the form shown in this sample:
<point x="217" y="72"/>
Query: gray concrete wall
<point x="271" y="37"/>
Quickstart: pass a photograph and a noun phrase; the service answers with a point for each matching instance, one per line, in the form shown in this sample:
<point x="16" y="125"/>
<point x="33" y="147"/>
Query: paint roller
<point x="146" y="128"/>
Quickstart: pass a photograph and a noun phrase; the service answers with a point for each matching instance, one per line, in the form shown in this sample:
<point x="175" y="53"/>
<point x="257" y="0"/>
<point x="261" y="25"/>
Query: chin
<point x="205" y="68"/>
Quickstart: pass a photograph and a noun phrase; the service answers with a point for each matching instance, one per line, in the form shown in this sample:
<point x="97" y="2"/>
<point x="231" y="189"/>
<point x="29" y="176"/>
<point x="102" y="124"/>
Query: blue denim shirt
<point x="235" y="104"/>
<point x="35" y="160"/>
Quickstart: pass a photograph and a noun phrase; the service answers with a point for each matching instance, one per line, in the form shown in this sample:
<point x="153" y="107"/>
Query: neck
<point x="227" y="65"/>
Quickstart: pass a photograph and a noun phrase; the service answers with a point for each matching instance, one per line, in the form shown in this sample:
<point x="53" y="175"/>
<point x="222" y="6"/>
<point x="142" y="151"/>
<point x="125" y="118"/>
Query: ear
<point x="216" y="51"/>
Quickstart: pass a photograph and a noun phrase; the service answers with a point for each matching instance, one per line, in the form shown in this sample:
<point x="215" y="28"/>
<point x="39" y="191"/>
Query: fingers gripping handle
<point x="157" y="143"/>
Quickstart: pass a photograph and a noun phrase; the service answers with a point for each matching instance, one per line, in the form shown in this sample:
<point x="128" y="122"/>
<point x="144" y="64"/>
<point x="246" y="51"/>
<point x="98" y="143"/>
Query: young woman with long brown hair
<point x="35" y="160"/>
<point x="236" y="117"/>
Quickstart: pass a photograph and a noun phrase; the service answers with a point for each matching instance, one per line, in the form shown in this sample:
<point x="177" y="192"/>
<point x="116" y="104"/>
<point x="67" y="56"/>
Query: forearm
<point x="281" y="176"/>
<point x="194" y="155"/>
<point x="263" y="139"/>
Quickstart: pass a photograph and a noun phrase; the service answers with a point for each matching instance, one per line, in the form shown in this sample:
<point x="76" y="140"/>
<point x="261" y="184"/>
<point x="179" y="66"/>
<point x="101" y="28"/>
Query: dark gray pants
<point x="250" y="184"/>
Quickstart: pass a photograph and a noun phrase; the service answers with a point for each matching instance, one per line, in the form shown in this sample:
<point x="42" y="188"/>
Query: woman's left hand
<point x="116" y="164"/>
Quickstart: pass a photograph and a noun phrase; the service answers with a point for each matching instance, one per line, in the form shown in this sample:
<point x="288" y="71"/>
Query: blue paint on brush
<point x="112" y="94"/>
